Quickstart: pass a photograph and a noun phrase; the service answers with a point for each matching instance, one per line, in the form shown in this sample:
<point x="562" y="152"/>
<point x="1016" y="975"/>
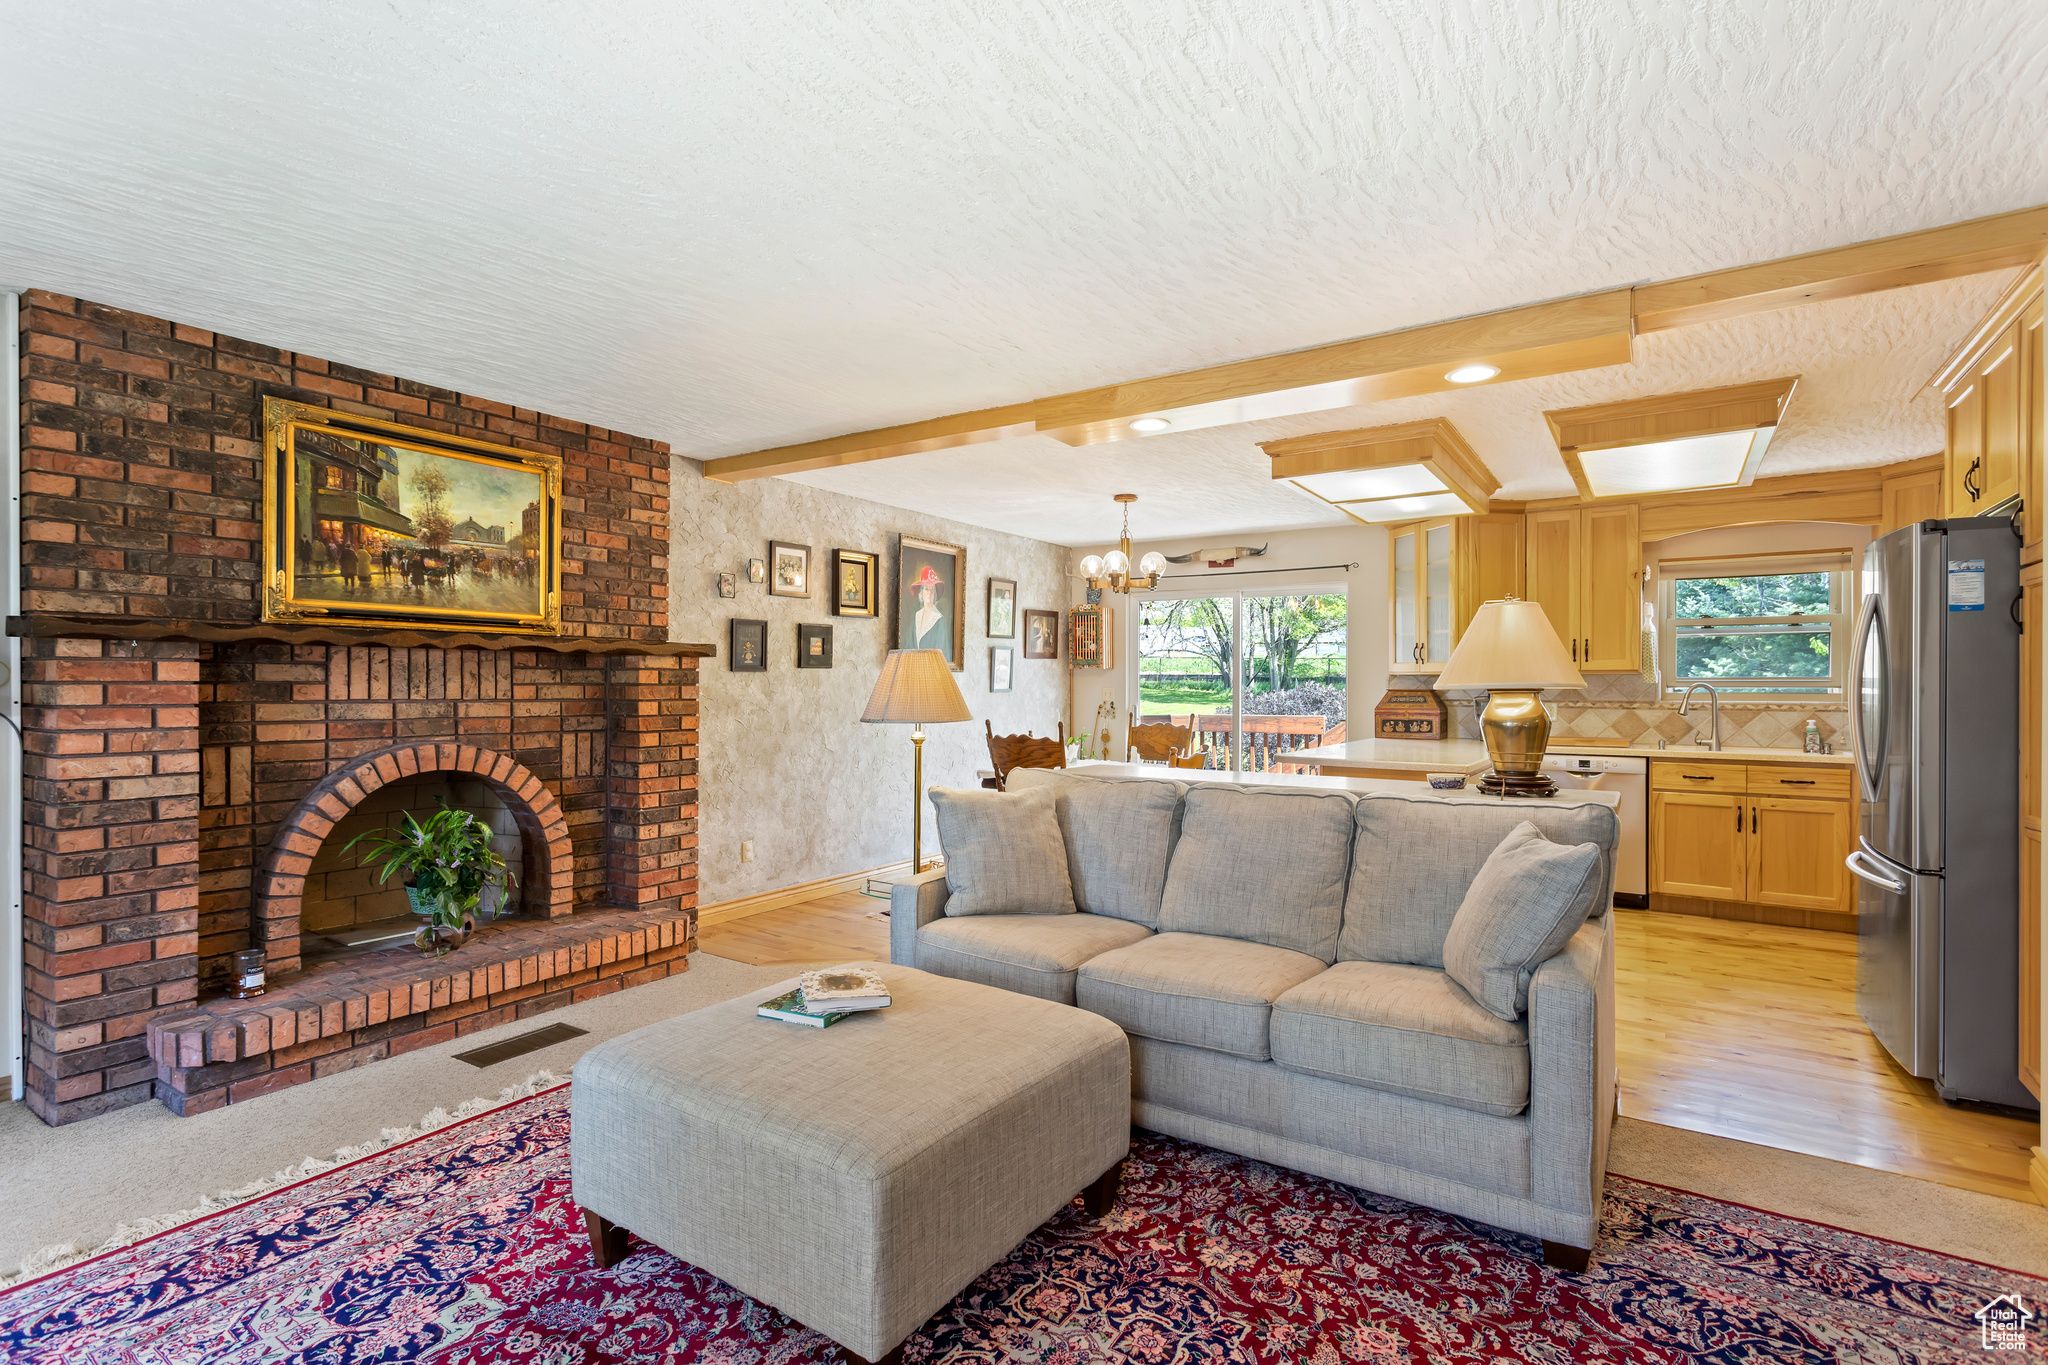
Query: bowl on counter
<point x="1447" y="782"/>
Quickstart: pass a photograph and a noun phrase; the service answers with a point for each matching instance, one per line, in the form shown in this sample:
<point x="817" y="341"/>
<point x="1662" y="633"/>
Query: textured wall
<point x="783" y="758"/>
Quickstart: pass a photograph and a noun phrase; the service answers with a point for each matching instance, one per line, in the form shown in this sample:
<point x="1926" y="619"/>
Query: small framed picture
<point x="1002" y="609"/>
<point x="728" y="585"/>
<point x="1001" y="659"/>
<point x="1041" y="634"/>
<point x="757" y="571"/>
<point x="789" y="569"/>
<point x="853" y="583"/>
<point x="749" y="647"/>
<point x="814" y="646"/>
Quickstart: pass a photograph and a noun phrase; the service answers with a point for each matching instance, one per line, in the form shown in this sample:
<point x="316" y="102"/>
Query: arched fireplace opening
<point x="313" y="898"/>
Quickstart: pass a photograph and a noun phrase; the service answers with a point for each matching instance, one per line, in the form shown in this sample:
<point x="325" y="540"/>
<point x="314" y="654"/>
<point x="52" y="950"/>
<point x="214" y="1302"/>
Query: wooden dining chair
<point x="1007" y="752"/>
<point x="1162" y="743"/>
<point x="1197" y="759"/>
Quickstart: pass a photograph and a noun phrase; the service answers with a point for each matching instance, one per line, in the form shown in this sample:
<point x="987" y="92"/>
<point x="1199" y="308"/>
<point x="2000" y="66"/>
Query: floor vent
<point x="520" y="1046"/>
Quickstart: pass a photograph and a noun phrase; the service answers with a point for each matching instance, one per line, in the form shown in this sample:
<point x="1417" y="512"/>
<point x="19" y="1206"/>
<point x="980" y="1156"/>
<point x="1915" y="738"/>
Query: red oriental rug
<point x="463" y="1246"/>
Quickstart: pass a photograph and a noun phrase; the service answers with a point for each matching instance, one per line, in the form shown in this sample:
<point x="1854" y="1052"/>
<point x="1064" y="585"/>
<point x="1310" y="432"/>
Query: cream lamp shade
<point x="916" y="688"/>
<point x="1510" y="644"/>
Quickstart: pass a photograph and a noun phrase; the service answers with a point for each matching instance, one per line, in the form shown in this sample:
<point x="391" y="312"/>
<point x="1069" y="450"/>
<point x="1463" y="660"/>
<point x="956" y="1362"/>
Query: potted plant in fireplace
<point x="448" y="864"/>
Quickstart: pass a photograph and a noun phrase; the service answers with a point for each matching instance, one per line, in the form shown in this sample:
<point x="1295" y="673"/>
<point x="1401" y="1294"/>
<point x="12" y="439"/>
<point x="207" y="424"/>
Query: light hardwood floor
<point x="834" y="928"/>
<point x="1750" y="1031"/>
<point x="1745" y="1031"/>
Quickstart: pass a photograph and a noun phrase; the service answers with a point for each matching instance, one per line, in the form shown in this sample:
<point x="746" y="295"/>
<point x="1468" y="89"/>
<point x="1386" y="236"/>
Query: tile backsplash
<point x="1626" y="707"/>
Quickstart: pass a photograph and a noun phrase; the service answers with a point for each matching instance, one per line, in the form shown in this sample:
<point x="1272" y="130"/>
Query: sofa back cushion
<point x="1416" y="856"/>
<point x="1268" y="866"/>
<point x="1004" y="854"/>
<point x="1120" y="838"/>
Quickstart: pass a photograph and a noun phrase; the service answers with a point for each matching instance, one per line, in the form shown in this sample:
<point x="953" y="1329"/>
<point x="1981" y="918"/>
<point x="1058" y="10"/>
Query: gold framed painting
<point x="931" y="598"/>
<point x="373" y="523"/>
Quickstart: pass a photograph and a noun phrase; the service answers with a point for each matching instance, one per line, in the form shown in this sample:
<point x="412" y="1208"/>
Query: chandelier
<point x="1113" y="571"/>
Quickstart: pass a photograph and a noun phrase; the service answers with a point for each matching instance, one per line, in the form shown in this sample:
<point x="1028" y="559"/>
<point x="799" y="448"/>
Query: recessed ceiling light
<point x="1149" y="424"/>
<point x="1472" y="374"/>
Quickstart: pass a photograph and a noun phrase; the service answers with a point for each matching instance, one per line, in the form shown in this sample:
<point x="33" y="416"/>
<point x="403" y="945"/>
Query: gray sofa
<point x="1275" y="955"/>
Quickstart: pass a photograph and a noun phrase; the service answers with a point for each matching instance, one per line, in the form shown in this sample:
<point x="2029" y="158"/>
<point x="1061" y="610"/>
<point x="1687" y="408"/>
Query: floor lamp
<point x="916" y="689"/>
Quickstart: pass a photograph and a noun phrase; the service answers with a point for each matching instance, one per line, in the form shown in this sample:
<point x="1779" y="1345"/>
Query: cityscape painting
<point x="375" y="523"/>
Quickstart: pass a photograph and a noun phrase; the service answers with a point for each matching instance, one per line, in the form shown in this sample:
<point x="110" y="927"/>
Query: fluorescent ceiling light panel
<point x="1392" y="481"/>
<point x="1719" y="461"/>
<point x="1376" y="510"/>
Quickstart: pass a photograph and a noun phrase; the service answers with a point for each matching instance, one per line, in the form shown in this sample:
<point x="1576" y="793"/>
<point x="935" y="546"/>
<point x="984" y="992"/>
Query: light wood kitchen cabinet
<point x="1991" y="387"/>
<point x="1697" y="844"/>
<point x="2031" y="962"/>
<point x="1796" y="848"/>
<point x="1585" y="567"/>
<point x="1758" y="834"/>
<point x="1440" y="571"/>
<point x="1912" y="497"/>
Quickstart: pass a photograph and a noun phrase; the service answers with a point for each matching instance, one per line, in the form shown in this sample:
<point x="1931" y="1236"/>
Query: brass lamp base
<point x="1517" y="731"/>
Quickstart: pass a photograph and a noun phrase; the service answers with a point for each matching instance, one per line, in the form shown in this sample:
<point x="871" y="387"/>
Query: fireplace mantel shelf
<point x="45" y="625"/>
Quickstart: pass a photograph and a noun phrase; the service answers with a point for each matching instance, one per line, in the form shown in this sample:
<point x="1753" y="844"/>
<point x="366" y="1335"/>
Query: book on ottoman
<point x="789" y="1006"/>
<point x="843" y="990"/>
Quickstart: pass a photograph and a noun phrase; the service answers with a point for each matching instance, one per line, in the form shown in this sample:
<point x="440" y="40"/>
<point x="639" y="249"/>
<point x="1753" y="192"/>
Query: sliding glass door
<point x="1254" y="675"/>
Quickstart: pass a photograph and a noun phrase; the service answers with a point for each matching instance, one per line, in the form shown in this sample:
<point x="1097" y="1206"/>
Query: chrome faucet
<point x="1714" y="699"/>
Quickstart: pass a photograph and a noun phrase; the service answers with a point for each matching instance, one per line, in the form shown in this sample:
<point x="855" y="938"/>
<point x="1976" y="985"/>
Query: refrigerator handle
<point x="1854" y="862"/>
<point x="1868" y="616"/>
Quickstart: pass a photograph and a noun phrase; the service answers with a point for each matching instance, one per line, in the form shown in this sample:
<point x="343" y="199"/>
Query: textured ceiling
<point x="1862" y="364"/>
<point x="739" y="225"/>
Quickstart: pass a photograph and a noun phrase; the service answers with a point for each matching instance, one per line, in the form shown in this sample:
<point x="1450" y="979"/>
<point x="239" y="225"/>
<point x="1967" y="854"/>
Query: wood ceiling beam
<point x="939" y="433"/>
<point x="1558" y="337"/>
<point x="2003" y="241"/>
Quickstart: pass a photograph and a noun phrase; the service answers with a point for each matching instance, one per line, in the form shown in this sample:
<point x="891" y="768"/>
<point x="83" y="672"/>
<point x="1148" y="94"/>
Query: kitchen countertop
<point x="1466" y="756"/>
<point x="1469" y="755"/>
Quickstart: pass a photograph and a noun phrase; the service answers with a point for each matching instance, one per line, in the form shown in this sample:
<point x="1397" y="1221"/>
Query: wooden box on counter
<point x="1411" y="714"/>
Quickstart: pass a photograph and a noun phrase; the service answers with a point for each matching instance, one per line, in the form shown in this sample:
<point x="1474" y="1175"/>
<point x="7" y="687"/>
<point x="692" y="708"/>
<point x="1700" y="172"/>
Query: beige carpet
<point x="74" y="1184"/>
<point x="1982" y="1227"/>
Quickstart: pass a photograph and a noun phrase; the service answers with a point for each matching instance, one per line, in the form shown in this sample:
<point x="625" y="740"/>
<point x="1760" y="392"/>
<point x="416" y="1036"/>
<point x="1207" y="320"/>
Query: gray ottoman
<point x="855" y="1177"/>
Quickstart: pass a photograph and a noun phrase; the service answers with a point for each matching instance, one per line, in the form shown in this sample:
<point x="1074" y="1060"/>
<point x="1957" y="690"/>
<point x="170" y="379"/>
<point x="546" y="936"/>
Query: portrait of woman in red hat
<point x="928" y="595"/>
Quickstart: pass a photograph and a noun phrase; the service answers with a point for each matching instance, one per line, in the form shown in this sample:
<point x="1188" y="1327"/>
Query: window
<point x="1758" y="627"/>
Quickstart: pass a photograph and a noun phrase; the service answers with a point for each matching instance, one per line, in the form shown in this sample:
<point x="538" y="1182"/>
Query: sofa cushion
<point x="1261" y="865"/>
<point x="1192" y="988"/>
<point x="1416" y="857"/>
<point x="1530" y="897"/>
<point x="1004" y="853"/>
<point x="1119" y="838"/>
<point x="1029" y="954"/>
<point x="1411" y="1030"/>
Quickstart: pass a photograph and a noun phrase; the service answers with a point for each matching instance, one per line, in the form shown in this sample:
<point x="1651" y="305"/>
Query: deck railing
<point x="1267" y="739"/>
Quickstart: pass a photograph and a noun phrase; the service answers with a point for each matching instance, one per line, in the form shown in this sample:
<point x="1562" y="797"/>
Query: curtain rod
<point x="1240" y="573"/>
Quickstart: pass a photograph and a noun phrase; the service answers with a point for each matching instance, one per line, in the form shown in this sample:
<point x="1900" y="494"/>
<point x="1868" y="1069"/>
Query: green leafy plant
<point x="448" y="863"/>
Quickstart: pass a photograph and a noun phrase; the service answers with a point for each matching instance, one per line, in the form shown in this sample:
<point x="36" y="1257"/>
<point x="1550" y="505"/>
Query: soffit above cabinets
<point x="1669" y="443"/>
<point x="1387" y="474"/>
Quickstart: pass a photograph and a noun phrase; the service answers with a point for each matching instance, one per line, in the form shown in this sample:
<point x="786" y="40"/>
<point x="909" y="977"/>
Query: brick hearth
<point x="340" y="1015"/>
<point x="183" y="760"/>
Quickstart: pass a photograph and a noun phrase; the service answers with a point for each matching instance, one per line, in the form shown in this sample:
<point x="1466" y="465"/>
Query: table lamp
<point x="916" y="689"/>
<point x="1512" y="651"/>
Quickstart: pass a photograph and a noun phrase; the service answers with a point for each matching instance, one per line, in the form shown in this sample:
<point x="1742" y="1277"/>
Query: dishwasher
<point x="1629" y="778"/>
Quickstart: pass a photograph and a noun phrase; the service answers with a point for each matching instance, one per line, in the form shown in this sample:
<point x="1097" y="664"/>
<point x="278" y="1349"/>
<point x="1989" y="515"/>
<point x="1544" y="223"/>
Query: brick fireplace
<point x="186" y="763"/>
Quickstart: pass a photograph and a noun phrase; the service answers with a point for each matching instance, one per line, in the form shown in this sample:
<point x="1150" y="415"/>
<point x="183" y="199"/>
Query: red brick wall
<point x="142" y="497"/>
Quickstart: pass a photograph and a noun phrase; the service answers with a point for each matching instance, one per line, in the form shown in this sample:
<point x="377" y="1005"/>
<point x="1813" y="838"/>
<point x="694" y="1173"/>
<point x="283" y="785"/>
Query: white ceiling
<point x="1862" y="364"/>
<point x="731" y="226"/>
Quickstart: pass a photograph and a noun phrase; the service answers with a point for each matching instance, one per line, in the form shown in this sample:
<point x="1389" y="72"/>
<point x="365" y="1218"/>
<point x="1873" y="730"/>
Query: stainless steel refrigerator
<point x="1936" y="722"/>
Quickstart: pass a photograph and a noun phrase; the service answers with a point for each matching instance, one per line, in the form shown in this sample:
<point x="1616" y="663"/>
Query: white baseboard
<point x="762" y="902"/>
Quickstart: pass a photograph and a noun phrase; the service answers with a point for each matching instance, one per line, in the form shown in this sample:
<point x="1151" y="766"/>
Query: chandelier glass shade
<point x="1113" y="570"/>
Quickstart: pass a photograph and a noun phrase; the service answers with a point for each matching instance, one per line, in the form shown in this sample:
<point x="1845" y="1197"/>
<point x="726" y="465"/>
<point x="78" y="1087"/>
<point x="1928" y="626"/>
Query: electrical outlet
<point x="746" y="850"/>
